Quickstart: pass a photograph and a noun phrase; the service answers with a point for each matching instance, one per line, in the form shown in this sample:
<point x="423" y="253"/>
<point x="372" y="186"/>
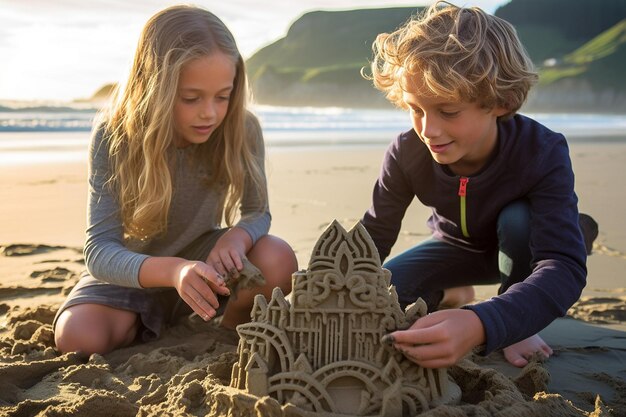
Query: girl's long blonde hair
<point x="140" y="123"/>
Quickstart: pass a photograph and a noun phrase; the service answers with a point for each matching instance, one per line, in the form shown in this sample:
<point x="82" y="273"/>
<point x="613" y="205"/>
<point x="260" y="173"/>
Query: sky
<point x="60" y="50"/>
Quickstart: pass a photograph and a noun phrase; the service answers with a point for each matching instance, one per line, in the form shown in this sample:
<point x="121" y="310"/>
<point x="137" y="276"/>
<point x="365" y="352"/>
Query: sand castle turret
<point x="321" y="350"/>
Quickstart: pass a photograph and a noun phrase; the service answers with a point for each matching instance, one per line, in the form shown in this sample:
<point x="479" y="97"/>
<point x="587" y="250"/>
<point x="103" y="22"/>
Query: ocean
<point x="33" y="133"/>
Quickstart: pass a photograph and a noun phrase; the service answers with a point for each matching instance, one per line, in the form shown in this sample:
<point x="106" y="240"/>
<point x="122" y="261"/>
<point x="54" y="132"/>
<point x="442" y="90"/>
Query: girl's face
<point x="460" y="135"/>
<point x="204" y="90"/>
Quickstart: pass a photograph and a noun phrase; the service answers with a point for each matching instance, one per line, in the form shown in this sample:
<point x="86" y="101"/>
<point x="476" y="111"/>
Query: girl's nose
<point x="208" y="109"/>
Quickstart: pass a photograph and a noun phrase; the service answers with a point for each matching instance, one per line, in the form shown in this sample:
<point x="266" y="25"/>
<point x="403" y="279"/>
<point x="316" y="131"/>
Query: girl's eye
<point x="224" y="98"/>
<point x="189" y="99"/>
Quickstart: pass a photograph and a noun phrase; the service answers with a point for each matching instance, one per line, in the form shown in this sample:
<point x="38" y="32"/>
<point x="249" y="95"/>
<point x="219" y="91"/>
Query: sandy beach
<point x="187" y="371"/>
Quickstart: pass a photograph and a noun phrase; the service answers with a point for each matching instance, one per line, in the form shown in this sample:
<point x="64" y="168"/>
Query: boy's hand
<point x="197" y="283"/>
<point x="230" y="248"/>
<point x="440" y="339"/>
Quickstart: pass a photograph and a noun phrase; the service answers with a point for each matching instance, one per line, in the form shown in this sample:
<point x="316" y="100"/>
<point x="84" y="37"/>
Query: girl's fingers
<point x="229" y="266"/>
<point x="199" y="305"/>
<point x="229" y="260"/>
<point x="211" y="282"/>
<point x="226" y="260"/>
<point x="224" y="265"/>
<point x="209" y="276"/>
<point x="219" y="267"/>
<point x="237" y="261"/>
<point x="203" y="292"/>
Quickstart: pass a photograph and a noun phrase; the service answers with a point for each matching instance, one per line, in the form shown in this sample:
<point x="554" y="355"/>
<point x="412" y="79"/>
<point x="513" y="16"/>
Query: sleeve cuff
<point x="256" y="227"/>
<point x="495" y="330"/>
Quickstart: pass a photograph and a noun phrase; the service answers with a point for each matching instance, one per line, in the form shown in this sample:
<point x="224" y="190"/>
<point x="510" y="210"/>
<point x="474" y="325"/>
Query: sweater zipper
<point x="463" y="194"/>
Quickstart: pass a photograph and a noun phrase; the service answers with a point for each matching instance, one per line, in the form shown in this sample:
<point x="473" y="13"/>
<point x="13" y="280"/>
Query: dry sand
<point x="187" y="371"/>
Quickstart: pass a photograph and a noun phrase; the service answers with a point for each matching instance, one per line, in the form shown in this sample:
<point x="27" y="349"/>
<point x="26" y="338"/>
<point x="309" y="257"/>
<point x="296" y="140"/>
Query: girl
<point x="177" y="151"/>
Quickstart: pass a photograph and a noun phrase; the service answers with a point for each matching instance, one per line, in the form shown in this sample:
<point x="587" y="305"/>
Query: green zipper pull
<point x="463" y="193"/>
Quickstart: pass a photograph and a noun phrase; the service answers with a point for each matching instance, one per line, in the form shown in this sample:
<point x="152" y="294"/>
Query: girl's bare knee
<point x="73" y="334"/>
<point x="92" y="328"/>
<point x="276" y="260"/>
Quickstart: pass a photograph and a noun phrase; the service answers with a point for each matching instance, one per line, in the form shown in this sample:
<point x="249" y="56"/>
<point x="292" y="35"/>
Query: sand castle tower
<point x="321" y="350"/>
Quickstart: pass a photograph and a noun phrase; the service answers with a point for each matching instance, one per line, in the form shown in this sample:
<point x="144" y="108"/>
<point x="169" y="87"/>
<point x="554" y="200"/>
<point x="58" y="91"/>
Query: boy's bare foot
<point x="518" y="353"/>
<point x="456" y="297"/>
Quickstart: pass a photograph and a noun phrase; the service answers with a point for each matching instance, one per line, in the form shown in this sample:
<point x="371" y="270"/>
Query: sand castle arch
<point x="322" y="351"/>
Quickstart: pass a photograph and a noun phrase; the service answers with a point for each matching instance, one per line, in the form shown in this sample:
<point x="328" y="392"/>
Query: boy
<point x="500" y="186"/>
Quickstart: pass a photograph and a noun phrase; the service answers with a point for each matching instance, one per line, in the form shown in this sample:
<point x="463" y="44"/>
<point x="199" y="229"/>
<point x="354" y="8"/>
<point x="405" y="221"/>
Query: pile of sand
<point x="187" y="371"/>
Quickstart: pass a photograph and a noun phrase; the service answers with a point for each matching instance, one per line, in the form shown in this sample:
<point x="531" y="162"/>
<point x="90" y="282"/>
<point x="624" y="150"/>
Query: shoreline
<point x="36" y="149"/>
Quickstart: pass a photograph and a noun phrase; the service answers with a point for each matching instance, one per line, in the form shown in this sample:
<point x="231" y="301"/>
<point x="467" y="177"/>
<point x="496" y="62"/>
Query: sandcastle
<point x="320" y="350"/>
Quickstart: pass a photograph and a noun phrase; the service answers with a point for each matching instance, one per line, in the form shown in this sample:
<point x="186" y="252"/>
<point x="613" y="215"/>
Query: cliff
<point x="319" y="61"/>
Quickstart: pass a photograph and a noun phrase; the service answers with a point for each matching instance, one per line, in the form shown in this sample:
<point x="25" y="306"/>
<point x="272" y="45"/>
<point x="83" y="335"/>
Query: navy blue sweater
<point x="532" y="162"/>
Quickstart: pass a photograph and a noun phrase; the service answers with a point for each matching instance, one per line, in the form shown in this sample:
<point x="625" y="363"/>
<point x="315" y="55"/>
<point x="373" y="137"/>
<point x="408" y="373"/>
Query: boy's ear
<point x="499" y="111"/>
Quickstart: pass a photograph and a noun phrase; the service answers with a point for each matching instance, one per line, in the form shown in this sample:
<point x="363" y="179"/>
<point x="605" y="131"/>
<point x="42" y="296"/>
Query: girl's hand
<point x="197" y="284"/>
<point x="440" y="339"/>
<point x="226" y="257"/>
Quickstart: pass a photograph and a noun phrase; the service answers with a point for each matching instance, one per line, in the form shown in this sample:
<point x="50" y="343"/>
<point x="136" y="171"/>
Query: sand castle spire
<point x="322" y="351"/>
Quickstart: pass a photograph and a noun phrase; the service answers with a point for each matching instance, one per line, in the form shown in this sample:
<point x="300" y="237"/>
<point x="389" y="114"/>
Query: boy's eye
<point x="415" y="110"/>
<point x="449" y="113"/>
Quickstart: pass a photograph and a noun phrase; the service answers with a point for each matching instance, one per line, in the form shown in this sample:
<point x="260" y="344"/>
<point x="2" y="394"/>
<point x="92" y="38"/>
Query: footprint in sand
<point x="49" y="276"/>
<point x="57" y="274"/>
<point x="11" y="293"/>
<point x="605" y="250"/>
<point x="600" y="310"/>
<point x="25" y="249"/>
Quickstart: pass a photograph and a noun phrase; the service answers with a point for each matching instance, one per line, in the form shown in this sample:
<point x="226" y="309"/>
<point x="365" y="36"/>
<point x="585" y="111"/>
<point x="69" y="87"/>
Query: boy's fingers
<point x="435" y="363"/>
<point x="413" y="336"/>
<point x="424" y="331"/>
<point x="428" y="356"/>
<point x="422" y="352"/>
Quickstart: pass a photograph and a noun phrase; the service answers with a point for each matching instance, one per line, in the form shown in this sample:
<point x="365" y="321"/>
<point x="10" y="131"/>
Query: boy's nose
<point x="429" y="127"/>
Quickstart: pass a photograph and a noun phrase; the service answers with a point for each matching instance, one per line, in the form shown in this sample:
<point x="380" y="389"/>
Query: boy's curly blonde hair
<point x="459" y="54"/>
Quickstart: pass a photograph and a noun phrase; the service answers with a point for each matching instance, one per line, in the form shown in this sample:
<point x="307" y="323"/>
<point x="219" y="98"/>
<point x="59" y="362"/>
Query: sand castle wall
<point x="320" y="348"/>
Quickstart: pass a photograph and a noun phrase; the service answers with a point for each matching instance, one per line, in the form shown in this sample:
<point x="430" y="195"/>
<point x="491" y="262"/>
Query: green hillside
<point x="318" y="62"/>
<point x="342" y="38"/>
<point x="323" y="50"/>
<point x="553" y="28"/>
<point x="601" y="61"/>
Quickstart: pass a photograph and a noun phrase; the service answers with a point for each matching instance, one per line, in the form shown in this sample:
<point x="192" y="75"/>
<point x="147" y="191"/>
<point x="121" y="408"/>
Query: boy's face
<point x="461" y="135"/>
